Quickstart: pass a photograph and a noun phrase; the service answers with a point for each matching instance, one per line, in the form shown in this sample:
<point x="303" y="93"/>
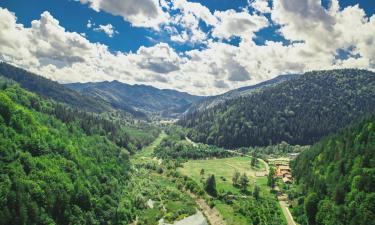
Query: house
<point x="287" y="180"/>
<point x="282" y="170"/>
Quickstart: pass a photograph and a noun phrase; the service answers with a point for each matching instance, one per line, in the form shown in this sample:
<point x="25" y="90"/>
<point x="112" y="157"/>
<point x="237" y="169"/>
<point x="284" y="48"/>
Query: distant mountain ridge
<point x="213" y="101"/>
<point x="150" y="100"/>
<point x="53" y="90"/>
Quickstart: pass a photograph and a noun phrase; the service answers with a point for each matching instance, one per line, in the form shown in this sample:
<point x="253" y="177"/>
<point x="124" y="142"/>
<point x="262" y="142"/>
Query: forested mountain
<point x="212" y="101"/>
<point x="297" y="111"/>
<point x="336" y="178"/>
<point x="62" y="166"/>
<point x="53" y="90"/>
<point x="148" y="99"/>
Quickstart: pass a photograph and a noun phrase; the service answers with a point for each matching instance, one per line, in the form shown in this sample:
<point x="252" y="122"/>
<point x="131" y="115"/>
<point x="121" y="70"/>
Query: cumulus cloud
<point x="107" y="29"/>
<point x="261" y="6"/>
<point x="241" y="24"/>
<point x="316" y="36"/>
<point x="160" y="58"/>
<point x="188" y="15"/>
<point x="140" y="13"/>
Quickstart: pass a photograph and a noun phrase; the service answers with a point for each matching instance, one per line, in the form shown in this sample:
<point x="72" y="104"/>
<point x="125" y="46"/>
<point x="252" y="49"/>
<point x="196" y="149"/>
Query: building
<point x="284" y="172"/>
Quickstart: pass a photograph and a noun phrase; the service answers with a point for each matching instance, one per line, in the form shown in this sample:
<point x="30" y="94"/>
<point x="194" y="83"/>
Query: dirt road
<point x="286" y="212"/>
<point x="212" y="215"/>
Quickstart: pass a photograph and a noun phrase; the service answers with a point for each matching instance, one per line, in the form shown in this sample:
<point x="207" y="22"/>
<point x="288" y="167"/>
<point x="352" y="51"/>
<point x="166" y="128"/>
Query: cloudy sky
<point x="203" y="47"/>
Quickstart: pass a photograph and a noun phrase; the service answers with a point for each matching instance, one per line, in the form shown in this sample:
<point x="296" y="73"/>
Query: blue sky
<point x="200" y="46"/>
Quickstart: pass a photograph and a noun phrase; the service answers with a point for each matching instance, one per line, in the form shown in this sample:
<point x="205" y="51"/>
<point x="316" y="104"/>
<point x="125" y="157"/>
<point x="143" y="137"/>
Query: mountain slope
<point x="164" y="103"/>
<point x="336" y="178"/>
<point x="298" y="111"/>
<point x="56" y="91"/>
<point x="55" y="172"/>
<point x="213" y="101"/>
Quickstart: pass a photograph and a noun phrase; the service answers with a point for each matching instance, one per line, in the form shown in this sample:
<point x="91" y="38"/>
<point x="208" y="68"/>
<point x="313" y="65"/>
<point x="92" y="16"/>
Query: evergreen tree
<point x="244" y="182"/>
<point x="271" y="180"/>
<point x="210" y="186"/>
<point x="236" y="178"/>
<point x="256" y="192"/>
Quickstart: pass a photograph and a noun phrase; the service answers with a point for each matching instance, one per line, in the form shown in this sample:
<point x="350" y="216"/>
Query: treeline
<point x="55" y="172"/>
<point x="175" y="146"/>
<point x="336" y="178"/>
<point x="299" y="111"/>
<point x="281" y="149"/>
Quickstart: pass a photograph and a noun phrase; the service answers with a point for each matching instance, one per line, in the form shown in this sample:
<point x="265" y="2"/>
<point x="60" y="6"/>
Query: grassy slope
<point x="148" y="150"/>
<point x="225" y="168"/>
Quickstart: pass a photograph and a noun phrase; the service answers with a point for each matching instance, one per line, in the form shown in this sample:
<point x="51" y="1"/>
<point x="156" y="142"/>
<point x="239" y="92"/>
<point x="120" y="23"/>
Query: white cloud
<point x="107" y="29"/>
<point x="140" y="13"/>
<point x="89" y="24"/>
<point x="316" y="35"/>
<point x="261" y="6"/>
<point x="241" y="24"/>
<point x="187" y="18"/>
<point x="160" y="58"/>
<point x="195" y="9"/>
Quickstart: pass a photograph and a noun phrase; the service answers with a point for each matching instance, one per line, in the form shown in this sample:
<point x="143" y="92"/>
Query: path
<point x="212" y="215"/>
<point x="190" y="141"/>
<point x="257" y="173"/>
<point x="147" y="151"/>
<point x="286" y="212"/>
<point x="215" y="216"/>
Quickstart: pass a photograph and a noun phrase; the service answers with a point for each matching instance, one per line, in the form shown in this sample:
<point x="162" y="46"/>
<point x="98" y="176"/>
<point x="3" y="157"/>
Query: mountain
<point x="58" y="166"/>
<point x="153" y="101"/>
<point x="51" y="89"/>
<point x="58" y="92"/>
<point x="213" y="101"/>
<point x="298" y="111"/>
<point x="336" y="178"/>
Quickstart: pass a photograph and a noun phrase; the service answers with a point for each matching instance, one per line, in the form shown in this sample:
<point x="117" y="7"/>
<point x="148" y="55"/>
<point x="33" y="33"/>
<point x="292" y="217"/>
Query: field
<point x="223" y="169"/>
<point x="147" y="151"/>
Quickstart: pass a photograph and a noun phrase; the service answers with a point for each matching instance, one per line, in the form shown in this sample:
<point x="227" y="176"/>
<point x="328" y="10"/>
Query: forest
<point x="174" y="147"/>
<point x="335" y="178"/>
<point x="299" y="111"/>
<point x="55" y="170"/>
<point x="61" y="164"/>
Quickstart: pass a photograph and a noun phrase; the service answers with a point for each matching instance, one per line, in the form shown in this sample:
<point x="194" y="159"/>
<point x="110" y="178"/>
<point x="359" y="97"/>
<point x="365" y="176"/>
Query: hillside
<point x="153" y="101"/>
<point x="61" y="166"/>
<point x="53" y="90"/>
<point x="298" y="111"/>
<point x="336" y="178"/>
<point x="213" y="101"/>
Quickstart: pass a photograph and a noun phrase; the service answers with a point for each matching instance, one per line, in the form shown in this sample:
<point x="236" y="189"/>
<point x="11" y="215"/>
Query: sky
<point x="204" y="47"/>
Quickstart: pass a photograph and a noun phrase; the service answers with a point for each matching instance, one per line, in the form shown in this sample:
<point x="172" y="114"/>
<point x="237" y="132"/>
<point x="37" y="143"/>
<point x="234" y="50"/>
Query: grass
<point x="161" y="190"/>
<point x="231" y="218"/>
<point x="147" y="151"/>
<point x="223" y="169"/>
<point x="165" y="194"/>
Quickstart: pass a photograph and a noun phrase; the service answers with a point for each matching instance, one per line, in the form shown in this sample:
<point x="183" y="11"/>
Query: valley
<point x="270" y="154"/>
<point x="187" y="112"/>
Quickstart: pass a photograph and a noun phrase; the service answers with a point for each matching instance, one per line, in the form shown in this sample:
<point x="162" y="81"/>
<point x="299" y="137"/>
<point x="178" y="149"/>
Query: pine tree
<point x="210" y="186"/>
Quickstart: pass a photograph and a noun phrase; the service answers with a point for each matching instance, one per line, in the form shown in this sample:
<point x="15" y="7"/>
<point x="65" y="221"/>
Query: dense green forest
<point x="299" y="111"/>
<point x="61" y="166"/>
<point x="176" y="146"/>
<point x="336" y="178"/>
<point x="281" y="149"/>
